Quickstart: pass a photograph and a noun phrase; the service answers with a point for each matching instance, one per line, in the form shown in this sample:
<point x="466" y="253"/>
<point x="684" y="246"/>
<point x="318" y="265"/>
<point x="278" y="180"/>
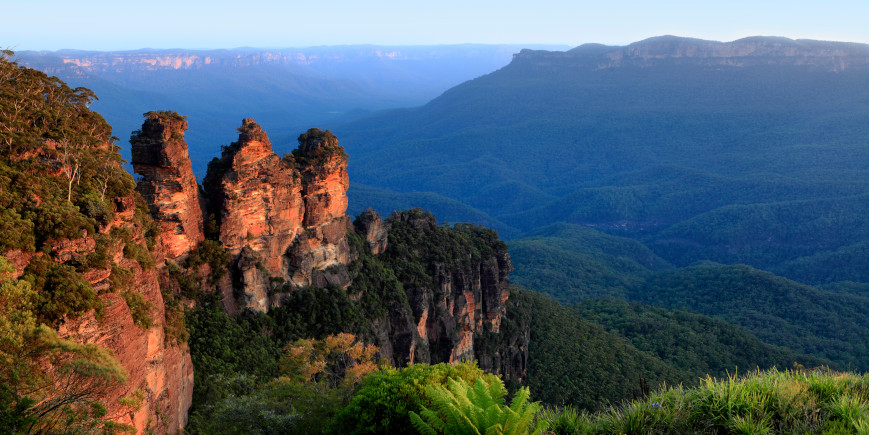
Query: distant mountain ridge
<point x="153" y="59"/>
<point x="286" y="90"/>
<point x="665" y="141"/>
<point x="755" y="50"/>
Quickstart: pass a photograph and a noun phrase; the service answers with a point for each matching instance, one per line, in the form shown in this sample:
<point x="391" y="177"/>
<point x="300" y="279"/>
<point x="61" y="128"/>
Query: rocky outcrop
<point x="167" y="182"/>
<point x="322" y="165"/>
<point x="282" y="219"/>
<point x="462" y="300"/>
<point x="370" y="225"/>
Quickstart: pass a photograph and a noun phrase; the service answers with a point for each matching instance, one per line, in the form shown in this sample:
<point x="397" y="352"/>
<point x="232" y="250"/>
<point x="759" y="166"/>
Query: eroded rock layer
<point x="159" y="369"/>
<point x="167" y="182"/>
<point x="282" y="220"/>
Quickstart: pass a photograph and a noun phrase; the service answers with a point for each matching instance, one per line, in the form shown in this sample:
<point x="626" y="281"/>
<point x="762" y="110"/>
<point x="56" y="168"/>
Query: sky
<point x="194" y="24"/>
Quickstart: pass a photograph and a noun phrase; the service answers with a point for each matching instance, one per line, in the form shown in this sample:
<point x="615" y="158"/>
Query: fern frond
<point x="421" y="426"/>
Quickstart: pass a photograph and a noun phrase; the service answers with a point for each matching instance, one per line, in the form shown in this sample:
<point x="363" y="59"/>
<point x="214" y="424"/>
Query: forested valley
<point x="647" y="246"/>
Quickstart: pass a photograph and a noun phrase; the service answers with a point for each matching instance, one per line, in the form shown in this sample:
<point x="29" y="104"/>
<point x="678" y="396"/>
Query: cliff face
<point x="456" y="286"/>
<point x="168" y="185"/>
<point x="281" y="219"/>
<point x="465" y="298"/>
<point x="158" y="368"/>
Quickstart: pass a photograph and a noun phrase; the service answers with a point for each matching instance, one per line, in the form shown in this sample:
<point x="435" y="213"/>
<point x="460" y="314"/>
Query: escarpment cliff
<point x="455" y="289"/>
<point x="755" y="51"/>
<point x="86" y="344"/>
<point x="135" y="326"/>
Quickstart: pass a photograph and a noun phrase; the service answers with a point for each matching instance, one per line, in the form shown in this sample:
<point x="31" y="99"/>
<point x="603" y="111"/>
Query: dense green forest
<point x="762" y="164"/>
<point x="573" y="264"/>
<point x="827" y="324"/>
<point x="574" y="351"/>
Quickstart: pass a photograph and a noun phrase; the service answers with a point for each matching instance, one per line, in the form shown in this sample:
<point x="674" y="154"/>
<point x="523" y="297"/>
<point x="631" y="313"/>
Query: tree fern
<point x="479" y="410"/>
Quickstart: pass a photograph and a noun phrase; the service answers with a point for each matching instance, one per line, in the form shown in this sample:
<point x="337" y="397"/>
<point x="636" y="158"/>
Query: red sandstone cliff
<point x="157" y="367"/>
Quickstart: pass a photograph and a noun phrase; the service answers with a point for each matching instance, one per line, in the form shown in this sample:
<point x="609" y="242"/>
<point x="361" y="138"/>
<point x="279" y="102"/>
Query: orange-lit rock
<point x="161" y="369"/>
<point x="168" y="185"/>
<point x="282" y="219"/>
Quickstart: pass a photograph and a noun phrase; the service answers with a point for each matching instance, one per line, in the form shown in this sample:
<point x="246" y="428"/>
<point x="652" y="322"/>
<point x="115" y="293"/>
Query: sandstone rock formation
<point x="370" y="225"/>
<point x="281" y="219"/>
<point x="283" y="222"/>
<point x="168" y="185"/>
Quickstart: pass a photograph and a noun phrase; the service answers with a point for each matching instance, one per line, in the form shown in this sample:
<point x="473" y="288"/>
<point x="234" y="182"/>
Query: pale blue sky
<point x="122" y="24"/>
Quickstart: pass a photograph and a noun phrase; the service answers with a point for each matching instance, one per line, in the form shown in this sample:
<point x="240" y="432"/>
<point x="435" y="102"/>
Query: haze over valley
<point x="386" y="229"/>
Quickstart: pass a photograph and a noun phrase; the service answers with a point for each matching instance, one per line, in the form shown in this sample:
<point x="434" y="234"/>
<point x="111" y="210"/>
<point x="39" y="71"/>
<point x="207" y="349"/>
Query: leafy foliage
<point x="315" y="313"/>
<point x="336" y="360"/>
<point x="458" y="408"/>
<point x="62" y="290"/>
<point x="224" y="346"/>
<point x="60" y="164"/>
<point x="317" y="379"/>
<point x="212" y="253"/>
<point x="140" y="309"/>
<point x="48" y="384"/>
<point x="59" y="172"/>
<point x="325" y="146"/>
<point x="383" y="399"/>
<point x="239" y="405"/>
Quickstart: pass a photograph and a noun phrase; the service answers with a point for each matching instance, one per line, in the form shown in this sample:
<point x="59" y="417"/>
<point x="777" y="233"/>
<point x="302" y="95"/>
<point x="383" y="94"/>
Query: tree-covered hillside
<point x="761" y="160"/>
<point x="824" y="323"/>
<point x="605" y="351"/>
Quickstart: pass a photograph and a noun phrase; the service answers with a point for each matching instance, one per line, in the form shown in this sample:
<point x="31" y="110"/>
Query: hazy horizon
<point x="101" y="25"/>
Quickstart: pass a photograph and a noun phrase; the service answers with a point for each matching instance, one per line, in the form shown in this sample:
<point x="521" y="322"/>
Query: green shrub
<point x="221" y="345"/>
<point x="62" y="290"/>
<point x="174" y="327"/>
<point x="135" y="251"/>
<point x="239" y="405"/>
<point x="817" y="401"/>
<point x="95" y="208"/>
<point x="16" y="232"/>
<point x="57" y="219"/>
<point x="315" y="313"/>
<point x="384" y="399"/>
<point x="120" y="280"/>
<point x="212" y="253"/>
<point x="140" y="309"/>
